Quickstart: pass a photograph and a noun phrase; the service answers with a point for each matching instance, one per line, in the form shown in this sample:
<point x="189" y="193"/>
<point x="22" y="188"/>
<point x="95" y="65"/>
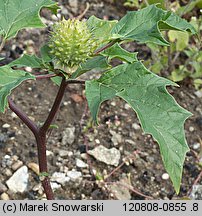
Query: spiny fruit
<point x="71" y="42"/>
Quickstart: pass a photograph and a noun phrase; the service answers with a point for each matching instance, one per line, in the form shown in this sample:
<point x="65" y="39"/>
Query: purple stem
<point x="40" y="135"/>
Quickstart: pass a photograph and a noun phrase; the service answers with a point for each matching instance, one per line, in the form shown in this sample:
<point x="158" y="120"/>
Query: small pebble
<point x="28" y="69"/>
<point x="198" y="94"/>
<point x="13" y="115"/>
<point x="55" y="186"/>
<point x="130" y="142"/>
<point x="73" y="5"/>
<point x="127" y="106"/>
<point x="64" y="11"/>
<point x="81" y="164"/>
<point x="3" y="188"/>
<point x="65" y="103"/>
<point x="49" y="153"/>
<point x="116" y="138"/>
<point x="5" y="126"/>
<point x="84" y="156"/>
<point x="74" y="175"/>
<point x="37" y="187"/>
<point x="136" y="126"/>
<point x="68" y="136"/>
<point x="191" y="129"/>
<point x="17" y="165"/>
<point x="34" y="167"/>
<point x="6" y="161"/>
<point x="113" y="103"/>
<point x="59" y="177"/>
<point x="63" y="153"/>
<point x="165" y="176"/>
<point x="97" y="141"/>
<point x="8" y="172"/>
<point x="4" y="196"/>
<point x="196" y="146"/>
<point x="70" y="153"/>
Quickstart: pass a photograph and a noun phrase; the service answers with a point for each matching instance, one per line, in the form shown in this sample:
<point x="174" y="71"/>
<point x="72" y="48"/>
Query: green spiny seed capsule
<point x="71" y="42"/>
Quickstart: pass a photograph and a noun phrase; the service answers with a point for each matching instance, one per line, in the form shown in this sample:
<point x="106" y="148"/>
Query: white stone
<point x="198" y="94"/>
<point x="81" y="164"/>
<point x="34" y="167"/>
<point x="191" y="129"/>
<point x="17" y="165"/>
<point x="49" y="153"/>
<point x="13" y="115"/>
<point x="136" y="126"/>
<point x="65" y="103"/>
<point x="74" y="5"/>
<point x="5" y="125"/>
<point x="68" y="136"/>
<point x="19" y="180"/>
<point x="165" y="176"/>
<point x="127" y="106"/>
<point x="60" y="178"/>
<point x="97" y="141"/>
<point x="74" y="175"/>
<point x="196" y="193"/>
<point x="120" y="191"/>
<point x="6" y="161"/>
<point x="28" y="69"/>
<point x="196" y="146"/>
<point x="109" y="156"/>
<point x="113" y="103"/>
<point x="116" y="138"/>
<point x="84" y="156"/>
<point x="63" y="153"/>
<point x="4" y="196"/>
<point x="55" y="185"/>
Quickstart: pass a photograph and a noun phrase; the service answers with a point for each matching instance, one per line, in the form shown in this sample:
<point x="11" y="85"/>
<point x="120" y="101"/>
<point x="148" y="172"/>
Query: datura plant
<point x="76" y="47"/>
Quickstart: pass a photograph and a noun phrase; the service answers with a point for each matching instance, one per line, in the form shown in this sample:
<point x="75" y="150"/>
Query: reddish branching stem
<point x="45" y="76"/>
<point x="30" y="124"/>
<point x="104" y="47"/>
<point x="41" y="133"/>
<point x="55" y="107"/>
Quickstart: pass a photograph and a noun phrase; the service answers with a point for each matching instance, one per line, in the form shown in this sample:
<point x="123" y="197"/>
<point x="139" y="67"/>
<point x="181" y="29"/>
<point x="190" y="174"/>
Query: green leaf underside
<point x="10" y="79"/>
<point x="57" y="80"/>
<point x="145" y="25"/>
<point x="158" y="112"/>
<point x="45" y="54"/>
<point x="97" y="63"/>
<point x="116" y="51"/>
<point x="27" y="61"/>
<point x="18" y="14"/>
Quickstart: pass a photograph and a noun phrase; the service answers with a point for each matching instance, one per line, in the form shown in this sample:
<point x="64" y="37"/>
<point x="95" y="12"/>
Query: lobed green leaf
<point x="19" y="14"/>
<point x="96" y="63"/>
<point x="145" y="25"/>
<point x="101" y="29"/>
<point x="10" y="79"/>
<point x="116" y="51"/>
<point x="27" y="61"/>
<point x="158" y="112"/>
